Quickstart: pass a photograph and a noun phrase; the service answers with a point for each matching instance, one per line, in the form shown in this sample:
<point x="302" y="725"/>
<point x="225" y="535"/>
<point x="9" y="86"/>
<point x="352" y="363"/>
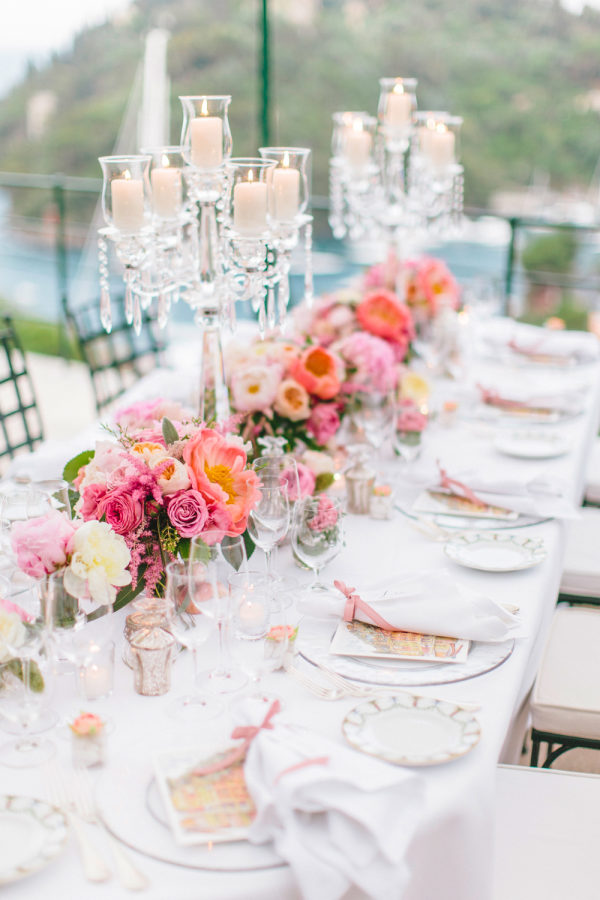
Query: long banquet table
<point x="451" y="854"/>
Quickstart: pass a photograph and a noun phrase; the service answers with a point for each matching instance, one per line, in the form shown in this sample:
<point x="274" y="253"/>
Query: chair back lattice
<point x="116" y="360"/>
<point x="20" y="422"/>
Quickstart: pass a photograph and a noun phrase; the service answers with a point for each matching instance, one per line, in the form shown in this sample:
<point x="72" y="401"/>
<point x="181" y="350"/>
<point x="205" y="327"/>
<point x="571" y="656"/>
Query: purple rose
<point x="122" y="512"/>
<point x="187" y="512"/>
<point x="323" y="423"/>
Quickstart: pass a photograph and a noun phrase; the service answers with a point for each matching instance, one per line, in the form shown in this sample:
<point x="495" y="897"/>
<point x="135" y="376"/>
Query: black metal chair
<point x="116" y="360"/>
<point x="20" y="422"/>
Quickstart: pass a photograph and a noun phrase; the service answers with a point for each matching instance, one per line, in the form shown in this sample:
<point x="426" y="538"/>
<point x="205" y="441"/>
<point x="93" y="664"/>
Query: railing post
<point x="59" y="195"/>
<point x="510" y="261"/>
<point x="265" y="77"/>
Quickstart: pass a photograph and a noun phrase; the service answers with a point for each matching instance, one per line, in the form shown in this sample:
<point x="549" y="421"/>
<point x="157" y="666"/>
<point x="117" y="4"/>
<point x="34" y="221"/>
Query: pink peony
<point x="317" y="371"/>
<point x="147" y="413"/>
<point x="323" y="423"/>
<point x="40" y="544"/>
<point x="123" y="511"/>
<point x="217" y="469"/>
<point x="381" y="313"/>
<point x="371" y="362"/>
<point x="305" y="483"/>
<point x="187" y="512"/>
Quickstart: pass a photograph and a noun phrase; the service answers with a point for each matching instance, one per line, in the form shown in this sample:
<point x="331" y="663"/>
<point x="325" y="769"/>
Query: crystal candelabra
<point x="395" y="174"/>
<point x="192" y="222"/>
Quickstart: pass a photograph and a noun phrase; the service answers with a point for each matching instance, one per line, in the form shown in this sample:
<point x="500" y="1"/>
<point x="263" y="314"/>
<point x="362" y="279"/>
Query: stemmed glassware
<point x="317" y="535"/>
<point x="19" y="505"/>
<point x="221" y="556"/>
<point x="260" y="631"/>
<point x="373" y="412"/>
<point x="191" y="619"/>
<point x="270" y="519"/>
<point x="25" y="676"/>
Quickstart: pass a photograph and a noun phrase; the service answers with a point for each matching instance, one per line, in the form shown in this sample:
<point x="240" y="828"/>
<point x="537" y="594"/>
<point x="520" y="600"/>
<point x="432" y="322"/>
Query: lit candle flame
<point x="441" y="128"/>
<point x="165" y="161"/>
<point x="204" y="108"/>
<point x="398" y="88"/>
<point x="250" y="175"/>
<point x="126" y="174"/>
<point x="357" y="125"/>
<point x="286" y="160"/>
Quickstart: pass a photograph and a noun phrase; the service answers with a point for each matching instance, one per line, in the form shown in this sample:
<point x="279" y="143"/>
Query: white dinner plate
<point x="533" y="444"/>
<point x="491" y="551"/>
<point x="410" y="730"/>
<point x="32" y="834"/>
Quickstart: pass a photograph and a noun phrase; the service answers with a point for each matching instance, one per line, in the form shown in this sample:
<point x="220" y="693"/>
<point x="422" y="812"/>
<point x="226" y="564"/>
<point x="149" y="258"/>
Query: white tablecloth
<point x="451" y="855"/>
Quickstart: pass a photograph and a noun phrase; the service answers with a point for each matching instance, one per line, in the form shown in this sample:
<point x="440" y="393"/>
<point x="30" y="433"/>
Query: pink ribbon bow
<point x="246" y="733"/>
<point x="354" y="603"/>
<point x="493" y="398"/>
<point x="464" y="490"/>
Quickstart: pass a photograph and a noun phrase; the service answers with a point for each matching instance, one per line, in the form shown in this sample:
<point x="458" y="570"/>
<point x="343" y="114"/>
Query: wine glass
<point x="317" y="535"/>
<point x="25" y="675"/>
<point x="373" y="413"/>
<point x="18" y="505"/>
<point x="63" y="616"/>
<point x="269" y="521"/>
<point x="222" y="555"/>
<point x="191" y="619"/>
<point x="260" y="632"/>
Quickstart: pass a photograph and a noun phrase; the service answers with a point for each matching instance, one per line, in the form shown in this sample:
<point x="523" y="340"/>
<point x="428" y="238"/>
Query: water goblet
<point x="373" y="413"/>
<point x="269" y="521"/>
<point x="317" y="535"/>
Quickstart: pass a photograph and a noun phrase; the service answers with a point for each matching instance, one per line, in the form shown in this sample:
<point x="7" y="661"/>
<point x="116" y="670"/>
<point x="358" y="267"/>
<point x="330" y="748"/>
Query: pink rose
<point x="122" y="511"/>
<point x="188" y="512"/>
<point x="91" y="496"/>
<point x="323" y="422"/>
<point x="40" y="544"/>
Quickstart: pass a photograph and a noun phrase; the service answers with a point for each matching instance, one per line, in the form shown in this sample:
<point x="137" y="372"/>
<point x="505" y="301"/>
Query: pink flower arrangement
<point x="429" y="286"/>
<point x="41" y="545"/>
<point x="323" y="422"/>
<point x="158" y="496"/>
<point x="326" y="515"/>
<point x="305" y="485"/>
<point x="148" y="414"/>
<point x="381" y="313"/>
<point x="317" y="370"/>
<point x="370" y="363"/>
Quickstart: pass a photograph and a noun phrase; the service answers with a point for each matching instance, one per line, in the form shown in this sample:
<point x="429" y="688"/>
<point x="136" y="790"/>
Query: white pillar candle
<point x="358" y="145"/>
<point x="250" y="207"/>
<point x="398" y="110"/>
<point x="440" y="147"/>
<point x="127" y="203"/>
<point x="96" y="673"/>
<point x="285" y="193"/>
<point x="206" y="136"/>
<point x="166" y="192"/>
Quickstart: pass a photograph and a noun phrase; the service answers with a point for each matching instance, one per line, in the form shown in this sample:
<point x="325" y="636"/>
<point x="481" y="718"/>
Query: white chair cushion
<point x="592" y="476"/>
<point x="581" y="573"/>
<point x="546" y="843"/>
<point x="566" y="694"/>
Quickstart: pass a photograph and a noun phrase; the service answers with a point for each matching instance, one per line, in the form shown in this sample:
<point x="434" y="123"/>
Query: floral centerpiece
<point x="155" y="491"/>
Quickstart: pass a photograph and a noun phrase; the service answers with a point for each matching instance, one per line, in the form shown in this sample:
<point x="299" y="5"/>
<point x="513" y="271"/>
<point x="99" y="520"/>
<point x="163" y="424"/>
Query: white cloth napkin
<point x="342" y="824"/>
<point x="581" y="345"/>
<point x="545" y="496"/>
<point x="424" y="603"/>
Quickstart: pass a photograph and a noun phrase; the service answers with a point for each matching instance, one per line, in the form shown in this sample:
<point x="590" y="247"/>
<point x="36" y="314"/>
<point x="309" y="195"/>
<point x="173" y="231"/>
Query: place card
<point x="441" y="502"/>
<point x="361" y="639"/>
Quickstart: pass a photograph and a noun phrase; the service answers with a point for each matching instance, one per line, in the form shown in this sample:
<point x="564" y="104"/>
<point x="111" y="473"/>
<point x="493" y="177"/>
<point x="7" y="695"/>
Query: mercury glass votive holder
<point x="152" y="654"/>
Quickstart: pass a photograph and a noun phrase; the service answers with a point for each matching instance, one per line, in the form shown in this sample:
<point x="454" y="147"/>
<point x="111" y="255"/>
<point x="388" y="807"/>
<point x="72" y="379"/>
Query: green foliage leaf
<point x="72" y="468"/>
<point x="324" y="480"/>
<point x="250" y="545"/>
<point x="169" y="431"/>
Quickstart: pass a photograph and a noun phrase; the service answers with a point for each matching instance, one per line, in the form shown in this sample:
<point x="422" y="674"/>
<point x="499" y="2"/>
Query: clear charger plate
<point x="131" y="807"/>
<point x="532" y="444"/>
<point x="32" y="834"/>
<point x="314" y="640"/>
<point x="492" y="552"/>
<point x="473" y="523"/>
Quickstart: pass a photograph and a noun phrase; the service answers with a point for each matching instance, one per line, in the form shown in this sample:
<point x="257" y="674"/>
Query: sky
<point x="33" y="29"/>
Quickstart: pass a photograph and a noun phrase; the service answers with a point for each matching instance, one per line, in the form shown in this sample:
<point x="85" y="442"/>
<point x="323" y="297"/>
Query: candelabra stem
<point x="214" y="399"/>
<point x="209" y="248"/>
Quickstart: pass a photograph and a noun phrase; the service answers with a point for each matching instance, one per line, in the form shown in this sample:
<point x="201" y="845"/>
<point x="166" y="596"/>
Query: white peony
<point x="99" y="563"/>
<point x="12" y="634"/>
<point x="318" y="462"/>
<point x="254" y="387"/>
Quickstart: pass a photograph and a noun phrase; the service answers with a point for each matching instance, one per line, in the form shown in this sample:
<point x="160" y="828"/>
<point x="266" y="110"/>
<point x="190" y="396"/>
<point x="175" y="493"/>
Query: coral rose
<point x="382" y="314"/>
<point x="217" y="469"/>
<point x="292" y="400"/>
<point x="317" y="371"/>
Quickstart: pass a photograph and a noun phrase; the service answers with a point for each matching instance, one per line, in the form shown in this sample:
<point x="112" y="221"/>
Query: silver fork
<point x="319" y="690"/>
<point x="94" y="866"/>
<point x="128" y="874"/>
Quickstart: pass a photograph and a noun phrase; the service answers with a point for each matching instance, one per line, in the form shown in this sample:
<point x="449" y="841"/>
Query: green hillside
<point x="518" y="71"/>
